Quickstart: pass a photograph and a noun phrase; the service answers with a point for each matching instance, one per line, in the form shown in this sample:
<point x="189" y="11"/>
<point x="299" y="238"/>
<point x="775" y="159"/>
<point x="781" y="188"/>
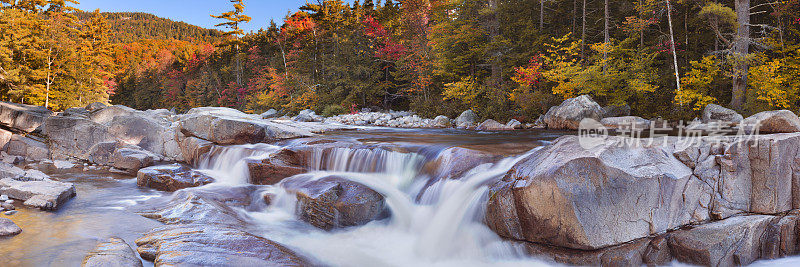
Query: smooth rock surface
<point x="112" y="253"/>
<point x="23" y="117"/>
<point x="777" y="121"/>
<point x="334" y="202"/>
<point x="70" y="137"/>
<point x="714" y="112"/>
<point x="171" y="177"/>
<point x="8" y="228"/>
<point x="45" y="195"/>
<point x="278" y="166"/>
<point x="466" y="119"/>
<point x="571" y="112"/>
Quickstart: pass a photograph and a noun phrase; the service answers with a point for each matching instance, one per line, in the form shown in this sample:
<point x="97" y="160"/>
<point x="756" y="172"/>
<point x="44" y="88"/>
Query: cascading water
<point x="228" y="165"/>
<point x="444" y="230"/>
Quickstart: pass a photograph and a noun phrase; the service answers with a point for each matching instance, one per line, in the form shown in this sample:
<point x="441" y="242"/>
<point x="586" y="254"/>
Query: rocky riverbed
<point x="102" y="185"/>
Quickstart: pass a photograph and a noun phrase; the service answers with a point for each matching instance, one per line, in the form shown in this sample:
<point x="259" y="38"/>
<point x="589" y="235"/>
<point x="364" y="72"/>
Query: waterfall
<point x="228" y="164"/>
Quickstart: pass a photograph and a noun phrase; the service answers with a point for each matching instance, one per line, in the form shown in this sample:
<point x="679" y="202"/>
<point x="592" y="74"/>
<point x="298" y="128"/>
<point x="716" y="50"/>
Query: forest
<point x="502" y="58"/>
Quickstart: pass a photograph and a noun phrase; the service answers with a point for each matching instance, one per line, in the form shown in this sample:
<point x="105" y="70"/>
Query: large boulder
<point x="273" y="169"/>
<point x="8" y="228"/>
<point x="131" y="159"/>
<point x="28" y="148"/>
<point x="442" y="121"/>
<point x="733" y="242"/>
<point x="23" y="117"/>
<point x="717" y="113"/>
<point x="209" y="205"/>
<point x="307" y="116"/>
<point x="45" y="195"/>
<point x="226" y="130"/>
<point x="106" y="115"/>
<point x="171" y="177"/>
<point x="213" y="245"/>
<point x="72" y="137"/>
<point x="570" y="196"/>
<point x="466" y="119"/>
<point x="114" y="252"/>
<point x="335" y="202"/>
<point x="571" y="112"/>
<point x="140" y="131"/>
<point x="777" y="121"/>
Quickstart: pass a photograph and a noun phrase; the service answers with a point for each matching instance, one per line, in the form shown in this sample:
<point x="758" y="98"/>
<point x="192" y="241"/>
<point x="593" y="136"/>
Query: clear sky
<point x="197" y="11"/>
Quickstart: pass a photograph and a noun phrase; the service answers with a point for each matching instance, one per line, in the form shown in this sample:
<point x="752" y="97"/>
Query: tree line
<point x="501" y="58"/>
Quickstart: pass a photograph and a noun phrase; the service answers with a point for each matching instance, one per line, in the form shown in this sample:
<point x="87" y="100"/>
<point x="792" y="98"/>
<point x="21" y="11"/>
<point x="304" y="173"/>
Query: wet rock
<point x="45" y="195"/>
<point x="714" y="112"/>
<point x="131" y="159"/>
<point x="617" y="111"/>
<point x="171" y="177"/>
<point x="269" y="114"/>
<point x="307" y="116"/>
<point x="25" y="118"/>
<point x="8" y="228"/>
<point x="777" y="121"/>
<point x="629" y="122"/>
<point x="442" y="122"/>
<point x="571" y="112"/>
<point x="589" y="198"/>
<point x="455" y="162"/>
<point x="95" y="106"/>
<point x="114" y="252"/>
<point x="334" y="202"/>
<point x="466" y="119"/>
<point x="732" y="242"/>
<point x="275" y="168"/>
<point x="491" y="125"/>
<point x="70" y="137"/>
<point x="623" y="255"/>
<point x="193" y="148"/>
<point x="213" y="245"/>
<point x="201" y="205"/>
<point x="28" y="148"/>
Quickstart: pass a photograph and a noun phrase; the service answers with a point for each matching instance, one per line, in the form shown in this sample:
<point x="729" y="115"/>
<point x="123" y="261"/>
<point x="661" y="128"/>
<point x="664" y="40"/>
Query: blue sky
<point x="197" y="11"/>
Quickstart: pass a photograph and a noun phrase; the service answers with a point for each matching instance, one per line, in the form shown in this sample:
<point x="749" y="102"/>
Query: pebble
<point x="10" y="212"/>
<point x="3" y="197"/>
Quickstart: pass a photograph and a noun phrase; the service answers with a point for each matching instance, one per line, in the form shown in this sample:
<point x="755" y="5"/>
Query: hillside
<point x="129" y="27"/>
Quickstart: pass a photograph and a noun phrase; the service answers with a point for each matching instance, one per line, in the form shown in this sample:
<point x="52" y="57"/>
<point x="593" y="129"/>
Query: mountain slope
<point x="128" y="27"/>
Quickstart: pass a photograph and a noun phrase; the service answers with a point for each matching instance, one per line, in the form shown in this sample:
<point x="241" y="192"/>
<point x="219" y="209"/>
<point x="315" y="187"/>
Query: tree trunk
<point x="606" y="38"/>
<point x="741" y="47"/>
<point x="541" y="15"/>
<point x="672" y="46"/>
<point x="583" y="35"/>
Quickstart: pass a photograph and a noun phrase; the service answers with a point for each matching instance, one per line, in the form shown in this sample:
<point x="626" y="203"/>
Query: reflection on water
<point x="63" y="238"/>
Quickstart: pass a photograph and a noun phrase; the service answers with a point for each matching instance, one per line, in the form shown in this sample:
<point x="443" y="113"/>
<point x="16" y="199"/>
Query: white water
<point x="444" y="228"/>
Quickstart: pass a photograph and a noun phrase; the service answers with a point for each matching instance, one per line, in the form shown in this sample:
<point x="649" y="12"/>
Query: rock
<point x="8" y="228"/>
<point x="590" y="198"/>
<point x="4" y="198"/>
<point x="114" y="252"/>
<point x="5" y="137"/>
<point x="25" y="118"/>
<point x="455" y="162"/>
<point x="269" y="114"/>
<point x="466" y="119"/>
<point x="70" y="137"/>
<point x="101" y="153"/>
<point x="213" y="245"/>
<point x="627" y="123"/>
<point x="491" y="125"/>
<point x="777" y="121"/>
<point x="131" y="159"/>
<point x="442" y="122"/>
<point x="106" y="115"/>
<point x="139" y="131"/>
<point x="171" y="178"/>
<point x="34" y="175"/>
<point x="28" y="148"/>
<point x="571" y="112"/>
<point x="307" y="116"/>
<point x="714" y="112"/>
<point x="192" y="149"/>
<point x="617" y="111"/>
<point x="334" y="202"/>
<point x="95" y="106"/>
<point x="7" y="206"/>
<point x="278" y="166"/>
<point x="61" y="164"/>
<point x="10" y="171"/>
<point x="623" y="255"/>
<point x="514" y="124"/>
<point x="732" y="242"/>
<point x="232" y="130"/>
<point x="209" y="205"/>
<point x="45" y="195"/>
<point x="75" y="112"/>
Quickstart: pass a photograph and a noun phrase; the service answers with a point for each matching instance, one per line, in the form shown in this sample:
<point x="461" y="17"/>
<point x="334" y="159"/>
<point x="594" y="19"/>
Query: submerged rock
<point x="8" y="228"/>
<point x="213" y="245"/>
<point x="114" y="252"/>
<point x="45" y="195"/>
<point x="334" y="202"/>
<point x="171" y="178"/>
<point x="571" y="112"/>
